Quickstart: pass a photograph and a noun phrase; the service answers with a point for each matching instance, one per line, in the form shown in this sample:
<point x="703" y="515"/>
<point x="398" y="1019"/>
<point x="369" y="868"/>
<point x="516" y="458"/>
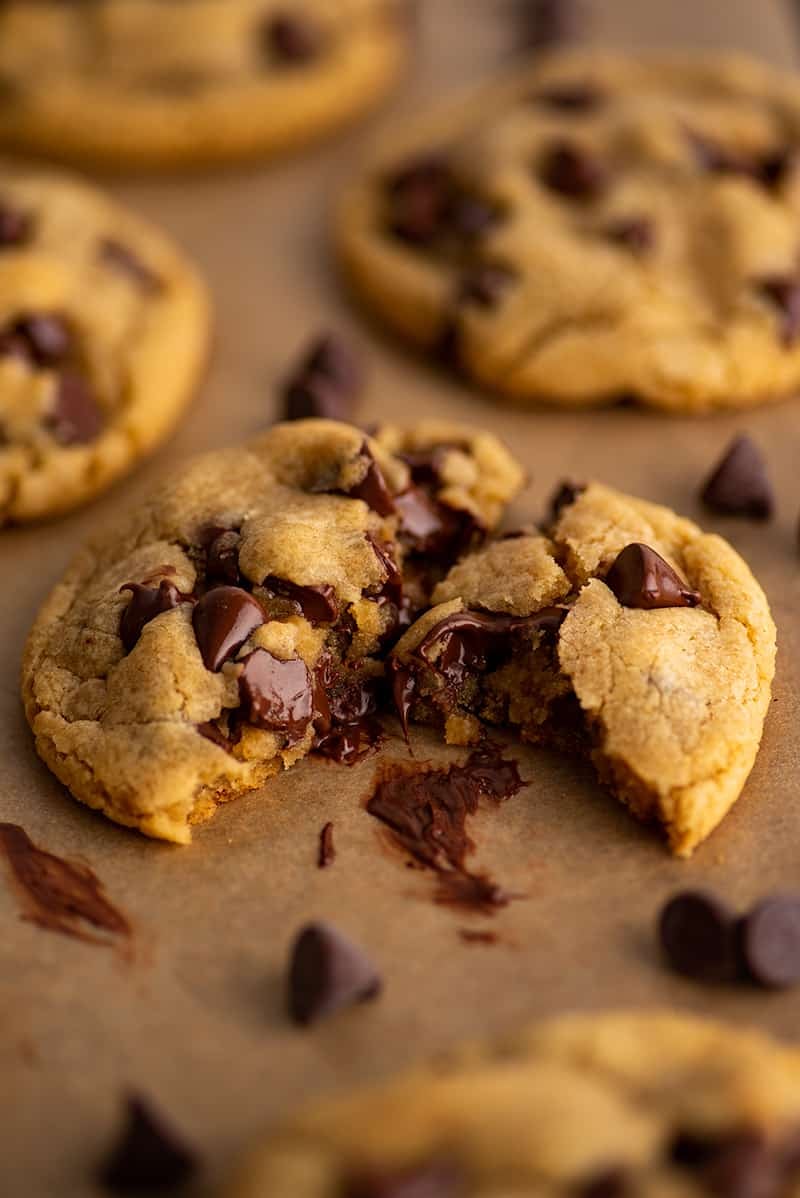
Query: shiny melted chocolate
<point x="427" y="809"/>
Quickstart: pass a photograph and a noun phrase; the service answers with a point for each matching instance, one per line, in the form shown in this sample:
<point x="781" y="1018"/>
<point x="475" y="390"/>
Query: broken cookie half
<point x="241" y="616"/>
<point x="623" y="633"/>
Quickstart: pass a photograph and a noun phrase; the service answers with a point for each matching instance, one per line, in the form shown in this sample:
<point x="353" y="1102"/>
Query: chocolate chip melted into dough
<point x="426" y="811"/>
<point x="59" y="895"/>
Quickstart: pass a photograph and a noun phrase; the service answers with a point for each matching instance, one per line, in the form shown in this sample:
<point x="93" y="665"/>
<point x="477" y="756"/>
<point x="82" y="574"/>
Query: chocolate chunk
<point x="613" y="1182"/>
<point x="641" y="578"/>
<point x="549" y="23"/>
<point x="123" y="259"/>
<point x="485" y="285"/>
<point x="326" y="973"/>
<point x="373" y="488"/>
<point x="426" y="1181"/>
<point x="145" y="604"/>
<point x="573" y="171"/>
<point x="770" y="940"/>
<point x="16" y="227"/>
<point x="222" y="556"/>
<point x="47" y="335"/>
<point x="76" y="417"/>
<point x="784" y="292"/>
<point x="148" y="1156"/>
<point x="317" y="603"/>
<point x="223" y="619"/>
<point x="471" y="217"/>
<point x="420" y="194"/>
<point x="563" y="496"/>
<point x="327" y="382"/>
<point x="327" y="851"/>
<point x="577" y="98"/>
<point x="635" y="233"/>
<point x="293" y="39"/>
<point x="277" y="695"/>
<point x="475" y="642"/>
<point x="699" y="936"/>
<point x="739" y="485"/>
<point x="742" y="1165"/>
<point x="392" y="588"/>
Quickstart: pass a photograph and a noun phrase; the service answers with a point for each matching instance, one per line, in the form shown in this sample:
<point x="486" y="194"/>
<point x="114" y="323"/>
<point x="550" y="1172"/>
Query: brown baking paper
<point x="194" y="1016"/>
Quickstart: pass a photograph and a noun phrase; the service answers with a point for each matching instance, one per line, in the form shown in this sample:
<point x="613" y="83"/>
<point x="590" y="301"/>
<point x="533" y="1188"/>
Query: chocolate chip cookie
<point x="156" y="83"/>
<point x="623" y="633"/>
<point x="598" y="227"/>
<point x="597" y="1106"/>
<point x="242" y="615"/>
<point x="104" y="329"/>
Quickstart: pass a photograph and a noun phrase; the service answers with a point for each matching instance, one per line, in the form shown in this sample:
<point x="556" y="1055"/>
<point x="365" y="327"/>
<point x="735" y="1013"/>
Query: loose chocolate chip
<point x="145" y="604"/>
<point x="16" y="227"/>
<point x="573" y="171"/>
<point x="293" y="39"/>
<point x="641" y="578"/>
<point x="75" y="418"/>
<point x="770" y="940"/>
<point x="47" y="334"/>
<point x="373" y="488"/>
<point x="699" y="936"/>
<point x="327" y="851"/>
<point x="612" y="1182"/>
<point x="317" y="603"/>
<point x="635" y="233"/>
<point x="784" y="292"/>
<point x="331" y="357"/>
<point x="563" y="496"/>
<point x="739" y="485"/>
<point x="575" y="97"/>
<point x="485" y="285"/>
<point x="326" y="973"/>
<point x="123" y="259"/>
<point x="426" y="1181"/>
<point x="277" y="695"/>
<point x="327" y="382"/>
<point x="149" y="1155"/>
<point x="223" y="619"/>
<point x="222" y="556"/>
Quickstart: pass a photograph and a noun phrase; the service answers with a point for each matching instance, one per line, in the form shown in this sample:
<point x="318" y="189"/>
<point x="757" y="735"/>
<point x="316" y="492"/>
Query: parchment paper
<point x="197" y="1020"/>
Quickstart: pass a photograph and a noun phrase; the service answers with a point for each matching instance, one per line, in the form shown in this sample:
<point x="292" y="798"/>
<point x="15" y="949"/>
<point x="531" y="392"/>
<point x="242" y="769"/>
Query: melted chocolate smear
<point x="475" y="642"/>
<point x="327" y="852"/>
<point x="59" y="895"/>
<point x="122" y="259"/>
<point x="427" y="809"/>
<point x="317" y="603"/>
<point x="223" y="619"/>
<point x="277" y="695"/>
<point x="148" y="1157"/>
<point x="214" y="733"/>
<point x="350" y="743"/>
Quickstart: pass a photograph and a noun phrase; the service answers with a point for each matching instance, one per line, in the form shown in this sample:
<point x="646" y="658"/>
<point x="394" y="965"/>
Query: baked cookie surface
<point x="104" y="332"/>
<point x="625" y="634"/>
<point x="657" y="1105"/>
<point x="242" y="614"/>
<point x="599" y="227"/>
<point x="150" y="83"/>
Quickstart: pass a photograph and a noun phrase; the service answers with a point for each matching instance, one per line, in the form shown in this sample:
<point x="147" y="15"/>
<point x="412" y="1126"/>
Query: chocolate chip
<point x="326" y="973"/>
<point x="613" y="1182"/>
<point x="739" y="485"/>
<point x="223" y="619"/>
<point x="123" y="259"/>
<point x="145" y="604"/>
<point x="770" y="941"/>
<point x="327" y="851"/>
<point x="373" y="488"/>
<point x="420" y="196"/>
<point x="277" y="695"/>
<point x="641" y="578"/>
<point x="317" y="603"/>
<point x="548" y="23"/>
<point x="573" y="171"/>
<point x="327" y="382"/>
<point x="148" y="1156"/>
<point x="47" y="334"/>
<point x="293" y="39"/>
<point x="699" y="936"/>
<point x="767" y="167"/>
<point x="578" y="97"/>
<point x="13" y="345"/>
<point x="635" y="233"/>
<point x="16" y="227"/>
<point x="222" y="556"/>
<point x="76" y="417"/>
<point x="563" y="496"/>
<point x="426" y="1181"/>
<point x="743" y="1165"/>
<point x="485" y="285"/>
<point x="784" y="292"/>
<point x="471" y="217"/>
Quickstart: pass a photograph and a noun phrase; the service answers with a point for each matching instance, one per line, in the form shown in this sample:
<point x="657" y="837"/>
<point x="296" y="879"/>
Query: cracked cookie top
<point x="242" y="614"/>
<point x="599" y="227"/>
<point x="104" y="328"/>
<point x="155" y="82"/>
<point x="625" y="632"/>
<point x="650" y="1104"/>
